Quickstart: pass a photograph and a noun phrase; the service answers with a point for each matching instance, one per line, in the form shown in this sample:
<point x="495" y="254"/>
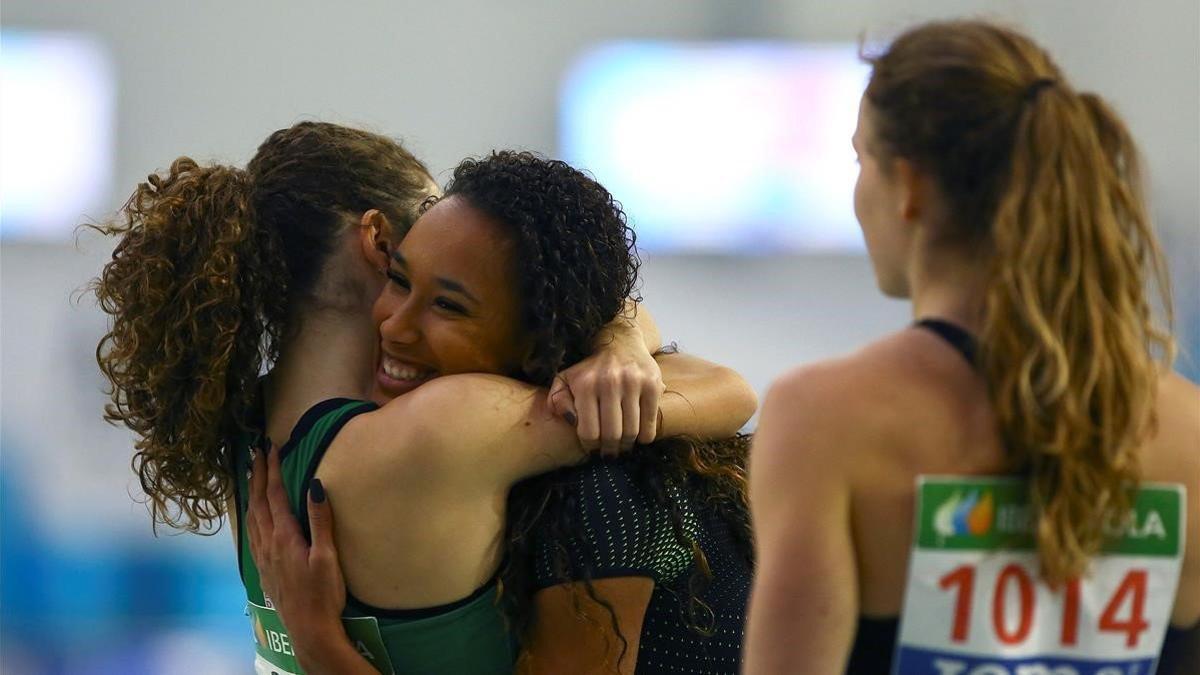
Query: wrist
<point x="623" y="330"/>
<point x="321" y="647"/>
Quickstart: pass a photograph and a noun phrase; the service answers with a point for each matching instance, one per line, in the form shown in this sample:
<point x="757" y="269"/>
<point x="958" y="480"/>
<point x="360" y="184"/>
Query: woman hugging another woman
<point x="638" y="563"/>
<point x="407" y="342"/>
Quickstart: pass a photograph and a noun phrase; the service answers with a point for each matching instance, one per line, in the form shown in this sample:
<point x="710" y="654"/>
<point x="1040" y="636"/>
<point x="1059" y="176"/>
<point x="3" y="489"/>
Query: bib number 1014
<point x="1124" y="612"/>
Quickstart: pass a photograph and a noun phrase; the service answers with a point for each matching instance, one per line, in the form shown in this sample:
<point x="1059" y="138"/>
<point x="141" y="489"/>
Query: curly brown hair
<point x="578" y="264"/>
<point x="1046" y="180"/>
<point x="214" y="267"/>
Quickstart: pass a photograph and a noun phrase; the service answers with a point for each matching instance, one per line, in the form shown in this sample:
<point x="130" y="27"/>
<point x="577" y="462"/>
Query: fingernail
<point x="317" y="491"/>
<point x="570" y="418"/>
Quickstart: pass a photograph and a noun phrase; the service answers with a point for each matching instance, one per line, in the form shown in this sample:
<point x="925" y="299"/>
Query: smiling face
<point x="450" y="304"/>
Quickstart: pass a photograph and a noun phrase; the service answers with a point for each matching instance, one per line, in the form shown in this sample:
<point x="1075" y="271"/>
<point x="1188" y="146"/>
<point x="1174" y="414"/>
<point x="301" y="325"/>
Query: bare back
<point x="932" y="416"/>
<point x="421" y="486"/>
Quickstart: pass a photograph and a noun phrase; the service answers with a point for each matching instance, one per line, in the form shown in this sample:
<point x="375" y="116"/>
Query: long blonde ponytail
<point x="1069" y="341"/>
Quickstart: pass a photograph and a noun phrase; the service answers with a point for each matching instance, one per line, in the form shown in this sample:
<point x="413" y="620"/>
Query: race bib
<point x="974" y="605"/>
<point x="274" y="655"/>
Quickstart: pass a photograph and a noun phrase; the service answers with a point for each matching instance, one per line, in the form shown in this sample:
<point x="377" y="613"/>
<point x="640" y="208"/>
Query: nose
<point x="403" y="325"/>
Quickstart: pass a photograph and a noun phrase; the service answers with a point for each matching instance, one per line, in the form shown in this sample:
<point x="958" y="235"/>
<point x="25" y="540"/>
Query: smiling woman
<point x="462" y="267"/>
<point x="221" y="272"/>
<point x="519" y="269"/>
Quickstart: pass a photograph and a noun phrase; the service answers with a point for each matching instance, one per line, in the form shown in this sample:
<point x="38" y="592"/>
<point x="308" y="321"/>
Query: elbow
<point x="744" y="402"/>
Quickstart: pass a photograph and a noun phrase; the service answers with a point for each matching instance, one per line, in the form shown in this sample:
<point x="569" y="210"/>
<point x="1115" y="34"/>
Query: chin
<point x="894" y="291"/>
<point x="891" y="285"/>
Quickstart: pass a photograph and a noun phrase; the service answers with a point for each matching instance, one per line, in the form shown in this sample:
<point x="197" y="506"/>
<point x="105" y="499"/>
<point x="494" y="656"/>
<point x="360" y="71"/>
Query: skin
<point x="449" y="314"/>
<point x="842" y="441"/>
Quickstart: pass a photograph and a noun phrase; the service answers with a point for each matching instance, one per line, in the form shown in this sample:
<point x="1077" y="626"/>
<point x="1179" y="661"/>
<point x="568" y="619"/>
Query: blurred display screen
<point x="737" y="147"/>
<point x="56" y="132"/>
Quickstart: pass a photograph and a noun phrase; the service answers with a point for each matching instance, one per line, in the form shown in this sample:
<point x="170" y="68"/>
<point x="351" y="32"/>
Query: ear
<point x="910" y="185"/>
<point x="375" y="236"/>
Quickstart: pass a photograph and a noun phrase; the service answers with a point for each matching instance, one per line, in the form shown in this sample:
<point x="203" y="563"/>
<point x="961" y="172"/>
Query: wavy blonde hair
<point x="1047" y="180"/>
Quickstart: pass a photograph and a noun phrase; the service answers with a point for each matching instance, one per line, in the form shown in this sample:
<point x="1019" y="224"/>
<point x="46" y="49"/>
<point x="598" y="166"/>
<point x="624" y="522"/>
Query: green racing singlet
<point x="464" y="637"/>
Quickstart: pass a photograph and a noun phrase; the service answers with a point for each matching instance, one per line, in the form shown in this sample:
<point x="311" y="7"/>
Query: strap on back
<point x="957" y="337"/>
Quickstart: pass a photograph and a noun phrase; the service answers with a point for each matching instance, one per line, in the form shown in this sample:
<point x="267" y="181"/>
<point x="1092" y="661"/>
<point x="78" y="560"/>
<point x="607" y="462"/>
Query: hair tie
<point x="1039" y="84"/>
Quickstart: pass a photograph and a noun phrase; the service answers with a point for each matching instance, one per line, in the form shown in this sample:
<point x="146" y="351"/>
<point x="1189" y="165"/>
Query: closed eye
<point x="398" y="279"/>
<point x="450" y="306"/>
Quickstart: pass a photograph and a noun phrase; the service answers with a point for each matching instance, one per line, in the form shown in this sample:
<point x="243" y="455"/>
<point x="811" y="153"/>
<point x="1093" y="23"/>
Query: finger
<point x="610" y="416"/>
<point x="259" y="510"/>
<point x="282" y="520"/>
<point x="631" y="415"/>
<point x="320" y="519"/>
<point x="252" y="535"/>
<point x="587" y="409"/>
<point x="651" y="400"/>
<point x="562" y="401"/>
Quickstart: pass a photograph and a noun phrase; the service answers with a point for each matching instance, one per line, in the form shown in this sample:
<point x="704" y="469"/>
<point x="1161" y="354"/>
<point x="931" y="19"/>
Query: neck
<point x="331" y="354"/>
<point x="948" y="284"/>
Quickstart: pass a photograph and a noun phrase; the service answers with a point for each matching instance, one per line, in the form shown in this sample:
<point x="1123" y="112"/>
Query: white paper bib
<point x="974" y="605"/>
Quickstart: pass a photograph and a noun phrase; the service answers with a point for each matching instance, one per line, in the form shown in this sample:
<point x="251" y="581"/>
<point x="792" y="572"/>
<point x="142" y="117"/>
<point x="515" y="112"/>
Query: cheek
<point x="383" y="307"/>
<point x="460" y="348"/>
<point x="858" y="197"/>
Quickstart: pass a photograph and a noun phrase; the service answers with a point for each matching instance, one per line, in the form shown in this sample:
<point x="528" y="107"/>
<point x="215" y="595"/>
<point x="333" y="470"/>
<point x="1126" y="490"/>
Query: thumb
<point x="320" y="517"/>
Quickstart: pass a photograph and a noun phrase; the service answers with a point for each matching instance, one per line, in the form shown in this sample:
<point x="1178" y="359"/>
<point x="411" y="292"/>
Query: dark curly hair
<point x="213" y="265"/>
<point x="577" y="264"/>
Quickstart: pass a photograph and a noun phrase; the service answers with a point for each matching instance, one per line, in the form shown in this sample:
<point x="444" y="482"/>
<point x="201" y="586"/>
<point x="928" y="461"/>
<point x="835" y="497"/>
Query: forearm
<point x="645" y="323"/>
<point x="702" y="399"/>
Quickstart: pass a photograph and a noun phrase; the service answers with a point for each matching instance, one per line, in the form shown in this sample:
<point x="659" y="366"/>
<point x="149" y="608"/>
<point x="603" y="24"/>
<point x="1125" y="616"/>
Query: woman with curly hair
<point x="1007" y="205"/>
<point x="641" y="563"/>
<point x="222" y="273"/>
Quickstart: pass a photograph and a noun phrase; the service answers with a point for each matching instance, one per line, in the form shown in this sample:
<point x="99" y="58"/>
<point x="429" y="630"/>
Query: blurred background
<point x="722" y="125"/>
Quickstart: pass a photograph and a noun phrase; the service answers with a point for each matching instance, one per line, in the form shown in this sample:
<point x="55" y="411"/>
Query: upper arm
<point x="470" y="427"/>
<point x="803" y="607"/>
<point x="573" y="633"/>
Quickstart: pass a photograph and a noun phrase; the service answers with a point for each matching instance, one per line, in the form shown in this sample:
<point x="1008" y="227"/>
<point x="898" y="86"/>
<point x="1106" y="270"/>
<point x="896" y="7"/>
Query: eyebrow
<point x="448" y="284"/>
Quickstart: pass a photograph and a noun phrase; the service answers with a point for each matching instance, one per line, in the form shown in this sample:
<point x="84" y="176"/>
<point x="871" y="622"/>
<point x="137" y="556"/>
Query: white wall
<point x="456" y="78"/>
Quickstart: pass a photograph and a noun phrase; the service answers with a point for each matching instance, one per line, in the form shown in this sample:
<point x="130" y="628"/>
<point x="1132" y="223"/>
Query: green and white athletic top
<point x="465" y="637"/>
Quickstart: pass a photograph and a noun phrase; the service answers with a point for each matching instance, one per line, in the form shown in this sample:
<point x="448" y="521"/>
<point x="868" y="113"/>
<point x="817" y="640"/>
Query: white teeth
<point x="398" y="371"/>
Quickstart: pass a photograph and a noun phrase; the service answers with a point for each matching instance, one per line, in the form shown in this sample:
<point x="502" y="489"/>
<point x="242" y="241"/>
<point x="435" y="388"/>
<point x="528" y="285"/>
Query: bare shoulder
<point x="875" y="387"/>
<point x="1179" y="404"/>
<point x="1175" y="449"/>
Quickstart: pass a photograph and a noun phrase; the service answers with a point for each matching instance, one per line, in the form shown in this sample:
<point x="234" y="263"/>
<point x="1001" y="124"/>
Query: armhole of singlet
<point x="954" y="335"/>
<point x="314" y="415"/>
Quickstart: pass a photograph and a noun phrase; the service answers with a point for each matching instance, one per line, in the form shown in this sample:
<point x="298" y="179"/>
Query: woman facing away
<point x="1007" y="206"/>
<point x="636" y="564"/>
<point x="220" y="272"/>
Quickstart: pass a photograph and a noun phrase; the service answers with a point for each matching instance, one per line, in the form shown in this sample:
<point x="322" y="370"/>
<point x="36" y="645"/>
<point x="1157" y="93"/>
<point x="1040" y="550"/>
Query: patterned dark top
<point x="628" y="533"/>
